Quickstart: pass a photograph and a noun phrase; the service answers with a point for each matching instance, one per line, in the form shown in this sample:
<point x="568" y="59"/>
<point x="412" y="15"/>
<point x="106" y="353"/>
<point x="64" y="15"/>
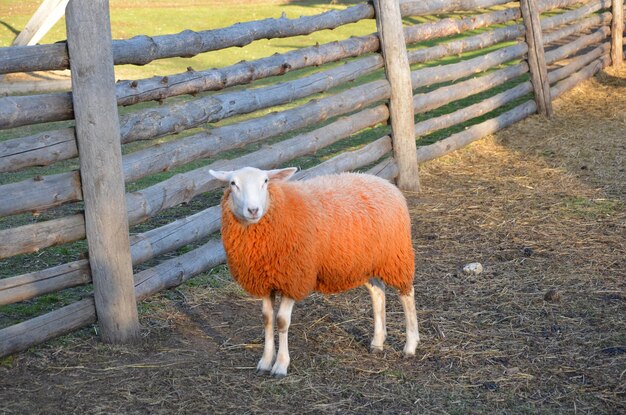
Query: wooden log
<point x="582" y="42"/>
<point x="551" y="22"/>
<point x="587" y="72"/>
<point x="31" y="238"/>
<point x="16" y="111"/>
<point x="466" y="44"/>
<point x="40" y="193"/>
<point x="475" y="132"/>
<point x="475" y="110"/>
<point x="547" y="5"/>
<point x="617" y="33"/>
<point x="581" y="26"/>
<point x="578" y="63"/>
<point x="143" y="247"/>
<point x="174" y="235"/>
<point x="419" y="7"/>
<point x="40" y="149"/>
<point x="48" y="13"/>
<point x="498" y="35"/>
<point x="451" y="72"/>
<point x="428" y="101"/>
<point x="387" y="169"/>
<point x="172" y="273"/>
<point x="37" y="330"/>
<point x="26" y="286"/>
<point x="141" y="50"/>
<point x="536" y="57"/>
<point x="191" y="82"/>
<point x="156" y="122"/>
<point x="398" y="72"/>
<point x="33" y="58"/>
<point x="26" y="151"/>
<point x="65" y="189"/>
<point x="349" y="160"/>
<point x="98" y="135"/>
<point x="490" y="104"/>
<point x="450" y="26"/>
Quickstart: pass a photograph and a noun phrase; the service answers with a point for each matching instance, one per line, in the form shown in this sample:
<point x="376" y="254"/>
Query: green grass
<point x="135" y="17"/>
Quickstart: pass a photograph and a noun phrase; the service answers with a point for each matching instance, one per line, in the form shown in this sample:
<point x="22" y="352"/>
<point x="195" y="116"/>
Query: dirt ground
<point x="541" y="206"/>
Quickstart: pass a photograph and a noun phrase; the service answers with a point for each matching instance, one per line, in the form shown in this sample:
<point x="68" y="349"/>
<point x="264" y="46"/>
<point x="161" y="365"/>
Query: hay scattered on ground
<point x="541" y="206"/>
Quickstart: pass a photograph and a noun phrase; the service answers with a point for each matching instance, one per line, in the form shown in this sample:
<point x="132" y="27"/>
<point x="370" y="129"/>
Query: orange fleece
<point x="327" y="234"/>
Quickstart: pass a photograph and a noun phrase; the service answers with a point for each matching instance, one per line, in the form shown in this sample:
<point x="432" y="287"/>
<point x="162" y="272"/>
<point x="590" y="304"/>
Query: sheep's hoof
<point x="279" y="371"/>
<point x="376" y="349"/>
<point x="263" y="368"/>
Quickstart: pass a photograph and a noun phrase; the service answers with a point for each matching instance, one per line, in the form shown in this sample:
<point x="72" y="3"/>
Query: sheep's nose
<point x="253" y="211"/>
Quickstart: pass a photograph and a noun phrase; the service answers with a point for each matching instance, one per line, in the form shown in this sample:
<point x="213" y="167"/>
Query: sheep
<point x="327" y="234"/>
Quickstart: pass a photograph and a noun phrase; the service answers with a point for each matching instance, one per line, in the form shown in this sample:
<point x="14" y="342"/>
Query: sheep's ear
<point x="223" y="176"/>
<point x="281" y="174"/>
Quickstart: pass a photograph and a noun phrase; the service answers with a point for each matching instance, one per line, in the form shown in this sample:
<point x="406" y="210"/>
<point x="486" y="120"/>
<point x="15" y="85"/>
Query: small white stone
<point x="474" y="268"/>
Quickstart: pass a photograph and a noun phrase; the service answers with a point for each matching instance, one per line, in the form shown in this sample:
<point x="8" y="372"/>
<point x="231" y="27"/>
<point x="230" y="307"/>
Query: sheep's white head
<point x="248" y="190"/>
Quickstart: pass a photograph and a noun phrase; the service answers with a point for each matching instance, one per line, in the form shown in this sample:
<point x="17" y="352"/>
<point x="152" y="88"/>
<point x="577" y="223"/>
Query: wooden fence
<point x="523" y="55"/>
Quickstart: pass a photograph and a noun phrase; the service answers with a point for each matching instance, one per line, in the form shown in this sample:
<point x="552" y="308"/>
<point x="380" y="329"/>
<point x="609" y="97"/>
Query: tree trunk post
<point x="398" y="71"/>
<point x="98" y="137"/>
<point x="617" y="33"/>
<point x="536" y="56"/>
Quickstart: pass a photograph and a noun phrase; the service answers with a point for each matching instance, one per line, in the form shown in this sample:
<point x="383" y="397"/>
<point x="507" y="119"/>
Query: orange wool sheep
<point x="327" y="234"/>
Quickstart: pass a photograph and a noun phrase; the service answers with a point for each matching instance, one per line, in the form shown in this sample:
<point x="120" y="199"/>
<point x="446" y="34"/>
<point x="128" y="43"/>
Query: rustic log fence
<point x="532" y="59"/>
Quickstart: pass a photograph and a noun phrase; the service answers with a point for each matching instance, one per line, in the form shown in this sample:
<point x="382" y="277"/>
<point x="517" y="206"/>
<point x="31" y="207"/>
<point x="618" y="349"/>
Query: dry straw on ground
<point x="541" y="206"/>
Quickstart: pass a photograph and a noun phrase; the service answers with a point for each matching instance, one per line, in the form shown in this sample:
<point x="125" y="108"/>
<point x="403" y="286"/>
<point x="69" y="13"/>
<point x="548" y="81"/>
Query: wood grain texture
<point x="536" y="56"/>
<point x="398" y="72"/>
<point x="97" y="132"/>
<point x="617" y="33"/>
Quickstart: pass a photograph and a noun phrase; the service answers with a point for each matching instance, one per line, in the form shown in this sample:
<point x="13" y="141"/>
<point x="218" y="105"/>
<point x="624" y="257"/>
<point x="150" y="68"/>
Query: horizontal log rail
<point x="183" y="187"/>
<point x="576" y="28"/>
<point x="142" y="50"/>
<point x="429" y="101"/>
<point x="155" y="122"/>
<point x="452" y="72"/>
<point x="47" y="191"/>
<point x="475" y="132"/>
<point x="419" y="7"/>
<point x="582" y="42"/>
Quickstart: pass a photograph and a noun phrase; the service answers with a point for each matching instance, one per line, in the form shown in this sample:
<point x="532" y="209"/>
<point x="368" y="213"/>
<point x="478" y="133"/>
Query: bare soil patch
<point x="540" y="205"/>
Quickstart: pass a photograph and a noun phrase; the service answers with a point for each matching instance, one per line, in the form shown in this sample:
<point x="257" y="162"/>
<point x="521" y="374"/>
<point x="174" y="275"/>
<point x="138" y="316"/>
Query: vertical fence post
<point x="617" y="33"/>
<point x="536" y="56"/>
<point x="398" y="71"/>
<point x="98" y="136"/>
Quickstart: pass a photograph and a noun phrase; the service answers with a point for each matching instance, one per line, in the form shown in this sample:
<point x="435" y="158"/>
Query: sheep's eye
<point x="266" y="180"/>
<point x="233" y="183"/>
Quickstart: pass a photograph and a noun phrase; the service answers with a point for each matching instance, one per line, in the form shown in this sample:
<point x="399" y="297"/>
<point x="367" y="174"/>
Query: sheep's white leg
<point x="377" y="290"/>
<point x="269" y="351"/>
<point x="412" y="332"/>
<point x="283" y="320"/>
